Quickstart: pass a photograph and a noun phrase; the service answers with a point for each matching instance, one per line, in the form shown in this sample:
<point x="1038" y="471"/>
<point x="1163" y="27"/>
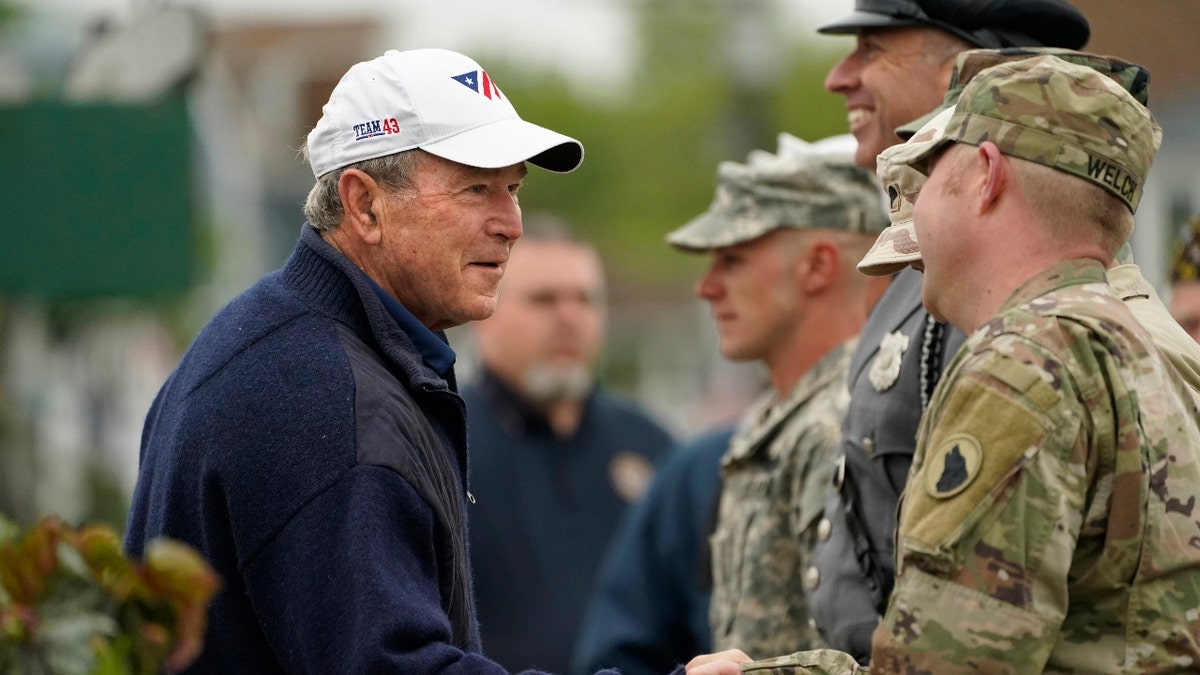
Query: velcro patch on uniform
<point x="979" y="441"/>
<point x="952" y="466"/>
<point x="1039" y="385"/>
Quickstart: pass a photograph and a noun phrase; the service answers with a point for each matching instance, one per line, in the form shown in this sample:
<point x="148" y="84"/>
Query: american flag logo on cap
<point x="479" y="82"/>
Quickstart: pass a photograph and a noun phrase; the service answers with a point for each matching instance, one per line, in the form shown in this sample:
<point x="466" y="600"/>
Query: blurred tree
<point x="10" y="496"/>
<point x="8" y="13"/>
<point x="714" y="81"/>
<point x="71" y="602"/>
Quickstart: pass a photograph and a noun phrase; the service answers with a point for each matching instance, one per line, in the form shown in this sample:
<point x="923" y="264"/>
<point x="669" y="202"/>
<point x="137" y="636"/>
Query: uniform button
<point x="812" y="578"/>
<point x="824" y="529"/>
<point x="868" y="444"/>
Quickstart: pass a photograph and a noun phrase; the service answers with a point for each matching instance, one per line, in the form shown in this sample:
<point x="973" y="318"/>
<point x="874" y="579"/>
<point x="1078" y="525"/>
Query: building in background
<point x="1155" y="35"/>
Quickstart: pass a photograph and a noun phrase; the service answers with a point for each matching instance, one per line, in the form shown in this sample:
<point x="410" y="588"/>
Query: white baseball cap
<point x="436" y="100"/>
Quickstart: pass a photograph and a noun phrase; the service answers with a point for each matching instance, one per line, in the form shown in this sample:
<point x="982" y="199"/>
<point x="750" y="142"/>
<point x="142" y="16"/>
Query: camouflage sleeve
<point x="814" y="662"/>
<point x="990" y="517"/>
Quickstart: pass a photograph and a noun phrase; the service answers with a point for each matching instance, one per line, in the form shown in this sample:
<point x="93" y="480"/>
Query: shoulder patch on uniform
<point x="630" y="474"/>
<point x="953" y="466"/>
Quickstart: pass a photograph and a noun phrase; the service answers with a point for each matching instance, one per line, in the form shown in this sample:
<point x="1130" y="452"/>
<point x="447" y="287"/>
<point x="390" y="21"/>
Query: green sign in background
<point x="95" y="199"/>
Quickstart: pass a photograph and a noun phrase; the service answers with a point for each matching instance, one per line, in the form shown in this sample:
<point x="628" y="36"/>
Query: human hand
<point x="727" y="662"/>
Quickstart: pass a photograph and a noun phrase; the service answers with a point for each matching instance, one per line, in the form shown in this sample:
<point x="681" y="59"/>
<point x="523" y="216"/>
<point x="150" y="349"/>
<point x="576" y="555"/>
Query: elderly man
<point x="785" y="231"/>
<point x="1057" y="466"/>
<point x="312" y="444"/>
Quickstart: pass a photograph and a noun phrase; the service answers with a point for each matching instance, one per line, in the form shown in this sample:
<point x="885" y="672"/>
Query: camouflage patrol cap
<point x="803" y="185"/>
<point x="896" y="247"/>
<point x="1134" y="78"/>
<point x="1058" y="114"/>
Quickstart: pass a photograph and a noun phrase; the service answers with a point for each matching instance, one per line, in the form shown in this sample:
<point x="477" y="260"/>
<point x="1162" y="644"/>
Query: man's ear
<point x="821" y="264"/>
<point x="360" y="195"/>
<point x="996" y="174"/>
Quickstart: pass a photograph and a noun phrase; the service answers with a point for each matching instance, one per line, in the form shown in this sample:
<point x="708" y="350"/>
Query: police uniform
<point x="898" y="359"/>
<point x="903" y="347"/>
<point x="547" y="508"/>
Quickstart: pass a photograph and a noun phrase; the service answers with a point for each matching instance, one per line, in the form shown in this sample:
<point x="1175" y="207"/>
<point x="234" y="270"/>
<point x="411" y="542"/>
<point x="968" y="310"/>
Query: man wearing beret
<point x="1049" y="524"/>
<point x="899" y="71"/>
<point x="784" y="232"/>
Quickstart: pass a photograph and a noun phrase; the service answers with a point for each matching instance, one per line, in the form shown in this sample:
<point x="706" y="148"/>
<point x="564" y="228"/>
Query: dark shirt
<point x="545" y="510"/>
<point x="433" y="347"/>
<point x="650" y="610"/>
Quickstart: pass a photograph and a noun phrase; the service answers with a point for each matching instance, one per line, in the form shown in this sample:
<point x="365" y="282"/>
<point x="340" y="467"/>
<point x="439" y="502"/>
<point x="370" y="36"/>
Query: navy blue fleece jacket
<point x="317" y="462"/>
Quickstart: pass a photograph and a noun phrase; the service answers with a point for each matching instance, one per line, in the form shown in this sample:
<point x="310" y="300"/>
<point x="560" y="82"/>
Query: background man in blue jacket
<point x="556" y="458"/>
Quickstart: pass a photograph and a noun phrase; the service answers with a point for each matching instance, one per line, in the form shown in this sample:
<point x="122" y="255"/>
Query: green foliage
<point x="9" y="14"/>
<point x="652" y="151"/>
<point x="71" y="603"/>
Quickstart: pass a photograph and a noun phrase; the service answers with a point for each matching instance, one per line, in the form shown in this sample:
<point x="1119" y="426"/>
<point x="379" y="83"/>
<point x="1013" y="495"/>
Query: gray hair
<point x="323" y="207"/>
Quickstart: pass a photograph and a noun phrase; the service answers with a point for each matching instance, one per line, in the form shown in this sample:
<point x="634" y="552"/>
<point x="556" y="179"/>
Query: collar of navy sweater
<point x="432" y="346"/>
<point x="324" y="276"/>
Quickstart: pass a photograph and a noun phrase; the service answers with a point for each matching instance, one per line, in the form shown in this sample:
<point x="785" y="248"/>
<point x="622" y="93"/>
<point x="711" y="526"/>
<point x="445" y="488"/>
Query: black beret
<point x="990" y="24"/>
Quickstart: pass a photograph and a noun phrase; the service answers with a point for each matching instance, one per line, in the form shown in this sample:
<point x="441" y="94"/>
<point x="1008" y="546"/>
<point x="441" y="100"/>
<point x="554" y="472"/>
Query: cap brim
<point x="923" y="143"/>
<point x="708" y="231"/>
<point x="907" y="131"/>
<point x="894" y="249"/>
<point x="857" y="20"/>
<point x="510" y="141"/>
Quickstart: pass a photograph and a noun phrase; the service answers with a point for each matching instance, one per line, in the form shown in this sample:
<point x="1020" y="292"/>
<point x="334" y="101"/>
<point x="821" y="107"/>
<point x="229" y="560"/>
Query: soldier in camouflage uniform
<point x="1050" y="524"/>
<point x="785" y="231"/>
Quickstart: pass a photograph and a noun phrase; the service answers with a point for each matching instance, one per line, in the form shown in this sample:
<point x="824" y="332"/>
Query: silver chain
<point x="931" y="357"/>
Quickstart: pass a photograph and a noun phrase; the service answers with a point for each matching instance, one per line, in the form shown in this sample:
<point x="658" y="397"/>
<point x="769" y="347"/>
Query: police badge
<point x="885" y="368"/>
